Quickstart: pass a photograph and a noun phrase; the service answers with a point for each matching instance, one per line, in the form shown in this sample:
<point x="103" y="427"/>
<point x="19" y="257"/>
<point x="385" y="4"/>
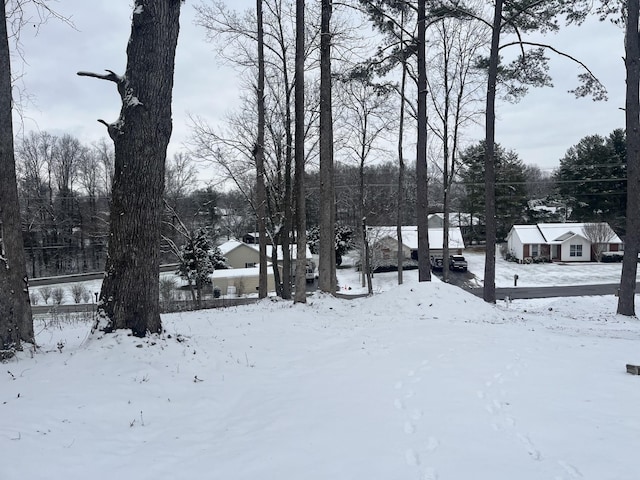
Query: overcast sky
<point x="540" y="128"/>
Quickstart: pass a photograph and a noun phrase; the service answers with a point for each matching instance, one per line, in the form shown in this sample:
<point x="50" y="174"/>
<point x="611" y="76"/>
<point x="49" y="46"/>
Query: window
<point x="250" y="265"/>
<point x="534" y="250"/>
<point x="575" y="250"/>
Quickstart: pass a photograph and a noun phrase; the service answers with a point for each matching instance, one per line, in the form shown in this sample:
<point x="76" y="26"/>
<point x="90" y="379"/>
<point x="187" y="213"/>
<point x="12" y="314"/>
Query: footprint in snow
<point x="429" y="473"/>
<point x="398" y="385"/>
<point x="409" y="428"/>
<point x="432" y="444"/>
<point x="531" y="449"/>
<point x="397" y="403"/>
<point x="411" y="458"/>
<point x="570" y="469"/>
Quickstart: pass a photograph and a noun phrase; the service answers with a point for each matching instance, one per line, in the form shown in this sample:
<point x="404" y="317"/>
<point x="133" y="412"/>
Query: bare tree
<point x="599" y="235"/>
<point x="626" y="299"/>
<point x="261" y="192"/>
<point x="301" y="220"/>
<point x="130" y="294"/>
<point x="180" y="177"/>
<point x="16" y="324"/>
<point x="422" y="211"/>
<point x="235" y="35"/>
<point x="327" y="254"/>
<point x="105" y="153"/>
<point x="367" y="116"/>
<point x="454" y="94"/>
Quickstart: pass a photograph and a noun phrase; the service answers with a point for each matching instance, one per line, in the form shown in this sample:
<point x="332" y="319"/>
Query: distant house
<point x="242" y="277"/>
<point x="564" y="242"/>
<point x="384" y="243"/>
<point x="470" y="226"/>
<point x="239" y="254"/>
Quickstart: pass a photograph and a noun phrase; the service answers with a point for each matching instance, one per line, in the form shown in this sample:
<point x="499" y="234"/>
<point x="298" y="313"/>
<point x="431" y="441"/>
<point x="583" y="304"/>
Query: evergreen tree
<point x="198" y="259"/>
<point x="510" y="187"/>
<point x="592" y="179"/>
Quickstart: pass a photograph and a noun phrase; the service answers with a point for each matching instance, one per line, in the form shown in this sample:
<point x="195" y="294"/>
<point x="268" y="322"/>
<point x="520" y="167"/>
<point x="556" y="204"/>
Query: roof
<point x="230" y="245"/>
<point x="410" y="236"/>
<point x="555" y="233"/>
<point x="457" y="219"/>
<point x="292" y="250"/>
<point x="528" y="234"/>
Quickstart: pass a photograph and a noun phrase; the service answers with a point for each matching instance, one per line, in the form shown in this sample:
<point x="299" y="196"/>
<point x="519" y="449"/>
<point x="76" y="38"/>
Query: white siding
<point x="515" y="246"/>
<point x="577" y="240"/>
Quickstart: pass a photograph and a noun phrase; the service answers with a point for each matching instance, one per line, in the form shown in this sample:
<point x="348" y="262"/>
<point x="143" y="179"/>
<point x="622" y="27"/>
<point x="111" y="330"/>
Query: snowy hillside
<point x="422" y="381"/>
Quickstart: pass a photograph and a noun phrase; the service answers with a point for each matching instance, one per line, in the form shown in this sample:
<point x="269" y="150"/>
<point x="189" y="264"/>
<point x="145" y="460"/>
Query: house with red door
<point x="562" y="242"/>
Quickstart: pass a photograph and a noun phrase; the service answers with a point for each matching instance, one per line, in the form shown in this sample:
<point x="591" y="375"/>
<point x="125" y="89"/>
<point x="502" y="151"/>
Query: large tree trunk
<point x="422" y="210"/>
<point x="259" y="152"/>
<point x="130" y="291"/>
<point x="626" y="299"/>
<point x="16" y="323"/>
<point x="327" y="251"/>
<point x="489" y="292"/>
<point x="301" y="221"/>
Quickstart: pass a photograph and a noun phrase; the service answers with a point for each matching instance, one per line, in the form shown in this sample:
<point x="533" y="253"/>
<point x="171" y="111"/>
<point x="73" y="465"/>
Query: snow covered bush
<point x="57" y="295"/>
<point x="78" y="292"/>
<point x="45" y="293"/>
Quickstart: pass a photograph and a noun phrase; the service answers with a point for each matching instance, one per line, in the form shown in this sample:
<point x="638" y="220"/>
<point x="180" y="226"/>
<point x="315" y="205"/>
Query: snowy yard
<point x="545" y="274"/>
<point x="421" y="381"/>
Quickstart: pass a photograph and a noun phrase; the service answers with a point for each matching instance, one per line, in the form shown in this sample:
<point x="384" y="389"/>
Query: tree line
<point x="64" y="189"/>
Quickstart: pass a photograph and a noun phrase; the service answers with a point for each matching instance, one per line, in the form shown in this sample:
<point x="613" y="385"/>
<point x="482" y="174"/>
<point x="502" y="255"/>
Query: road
<point x="549" y="292"/>
<point x="466" y="281"/>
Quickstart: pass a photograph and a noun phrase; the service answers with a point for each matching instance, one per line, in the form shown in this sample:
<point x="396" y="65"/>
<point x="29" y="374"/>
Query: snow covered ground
<point x="421" y="381"/>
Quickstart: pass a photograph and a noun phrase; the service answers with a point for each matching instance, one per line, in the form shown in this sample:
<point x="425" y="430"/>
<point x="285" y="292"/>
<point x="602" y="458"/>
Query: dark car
<point x="457" y="262"/>
<point x="437" y="263"/>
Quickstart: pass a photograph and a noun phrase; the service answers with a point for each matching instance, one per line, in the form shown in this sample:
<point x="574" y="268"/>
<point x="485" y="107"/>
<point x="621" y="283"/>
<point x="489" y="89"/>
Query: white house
<point x="564" y="242"/>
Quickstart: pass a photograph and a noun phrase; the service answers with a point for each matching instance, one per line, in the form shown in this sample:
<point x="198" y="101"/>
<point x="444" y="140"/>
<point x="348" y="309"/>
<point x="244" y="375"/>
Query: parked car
<point x="457" y="262"/>
<point x="437" y="263"/>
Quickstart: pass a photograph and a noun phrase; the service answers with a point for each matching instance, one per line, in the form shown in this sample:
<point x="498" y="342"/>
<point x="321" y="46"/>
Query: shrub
<point x="240" y="287"/>
<point x="167" y="289"/>
<point x="86" y="296"/>
<point x="57" y="295"/>
<point x="610" y="257"/>
<point x="45" y="293"/>
<point x="78" y="291"/>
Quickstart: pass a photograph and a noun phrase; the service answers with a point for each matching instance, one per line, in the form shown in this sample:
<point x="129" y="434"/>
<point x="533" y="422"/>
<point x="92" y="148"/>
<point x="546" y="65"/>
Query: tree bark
<point x="489" y="291"/>
<point x="626" y="298"/>
<point x="422" y="210"/>
<point x="301" y="217"/>
<point x="327" y="251"/>
<point x="401" y="171"/>
<point x="129" y="298"/>
<point x="259" y="153"/>
<point x="16" y="323"/>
